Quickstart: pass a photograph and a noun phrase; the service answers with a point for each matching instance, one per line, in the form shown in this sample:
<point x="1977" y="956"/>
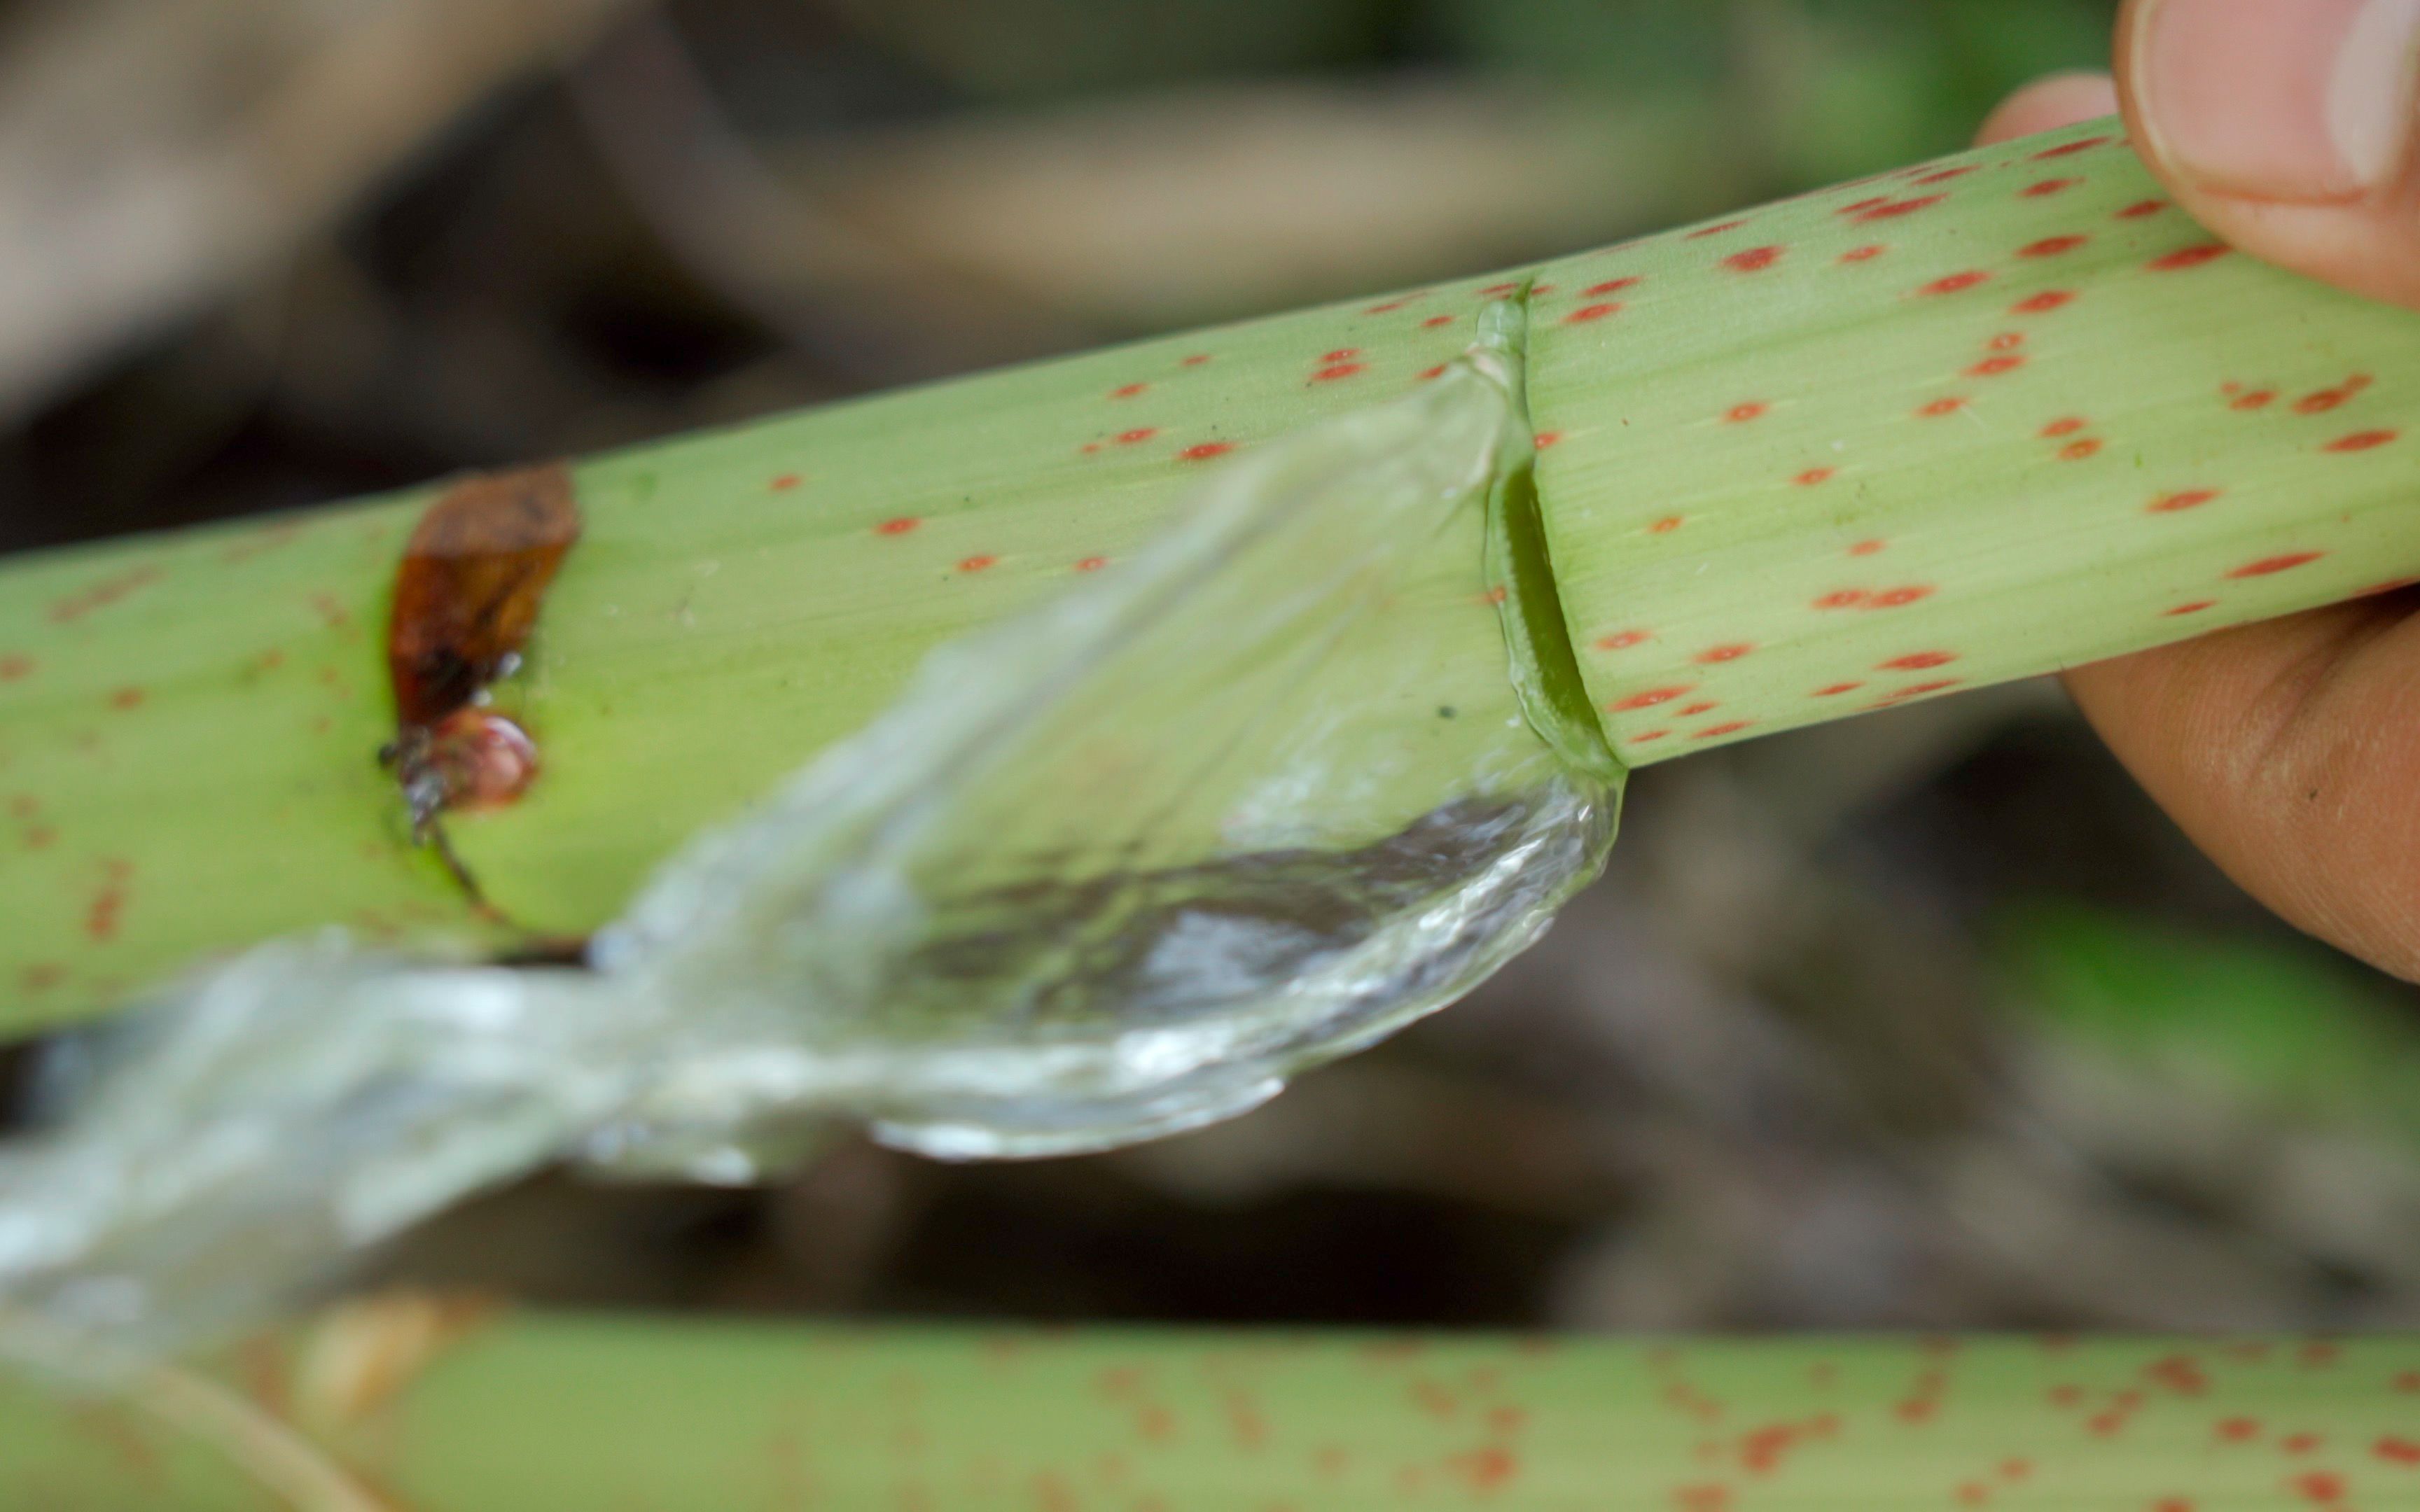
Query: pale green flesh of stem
<point x="570" y="1412"/>
<point x="187" y="722"/>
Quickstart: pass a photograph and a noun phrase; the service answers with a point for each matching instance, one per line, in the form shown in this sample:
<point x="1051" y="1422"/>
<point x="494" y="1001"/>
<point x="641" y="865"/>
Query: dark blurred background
<point x="1927" y="1020"/>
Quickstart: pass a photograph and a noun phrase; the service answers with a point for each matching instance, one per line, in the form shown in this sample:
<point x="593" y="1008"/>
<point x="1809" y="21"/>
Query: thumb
<point x="2290" y="127"/>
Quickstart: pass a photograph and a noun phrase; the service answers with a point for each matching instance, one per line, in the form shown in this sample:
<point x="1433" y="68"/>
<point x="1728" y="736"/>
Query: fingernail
<point x="2295" y="99"/>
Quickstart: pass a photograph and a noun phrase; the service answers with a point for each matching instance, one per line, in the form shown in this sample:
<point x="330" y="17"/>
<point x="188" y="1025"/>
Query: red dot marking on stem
<point x="2049" y="187"/>
<point x="1902" y="597"/>
<point x="2364" y="440"/>
<point x="1587" y="313"/>
<point x="1391" y="306"/>
<point x="1709" y="1498"/>
<point x="1652" y="698"/>
<point x="1995" y="366"/>
<point x="1862" y="255"/>
<point x="2174" y="1504"/>
<point x="2142" y="209"/>
<point x="2052" y="246"/>
<point x="1342" y="370"/>
<point x="1835" y="690"/>
<point x="2045" y="302"/>
<point x="1204" y="451"/>
<point x="1740" y="414"/>
<point x="1946" y="175"/>
<point x="2300" y="1443"/>
<point x="1956" y="282"/>
<point x="900" y="526"/>
<point x="1704" y="231"/>
<point x="2016" y="1469"/>
<point x="1938" y="408"/>
<point x="1894" y="209"/>
<point x="2072" y="148"/>
<point x="2256" y="399"/>
<point x="1754" y="260"/>
<point x="1497" y="291"/>
<point x="2408" y="1383"/>
<point x="2190" y="258"/>
<point x="1127" y="391"/>
<point x="1666" y="526"/>
<point x="1623" y="641"/>
<point x="784" y="483"/>
<point x="1860" y="206"/>
<point x="2177" y="503"/>
<point x="1845" y="598"/>
<point x="1869" y="549"/>
<point x="15" y="669"/>
<point x="2007" y="341"/>
<point x="1648" y="737"/>
<point x="2067" y="426"/>
<point x="1431" y="374"/>
<point x="1436" y="321"/>
<point x="2271" y="566"/>
<point x="1612" y="286"/>
<point x="2083" y="451"/>
<point x="1691" y="711"/>
<point x="1092" y="564"/>
<point x="99" y="594"/>
<point x="2396" y="1450"/>
<point x="108" y="908"/>
<point x="1719" y="730"/>
<point x="126" y="698"/>
<point x="2317" y="1485"/>
<point x="1137" y="436"/>
<point x="1545" y="438"/>
<point x="2237" y="1430"/>
<point x="1721" y="654"/>
<point x="1814" y="477"/>
<point x="1918" y="661"/>
<point x="1196" y="360"/>
<point x="2194" y="608"/>
<point x="1484" y="1469"/>
<point x="978" y="563"/>
<point x="1342" y="354"/>
<point x="1973" y="1494"/>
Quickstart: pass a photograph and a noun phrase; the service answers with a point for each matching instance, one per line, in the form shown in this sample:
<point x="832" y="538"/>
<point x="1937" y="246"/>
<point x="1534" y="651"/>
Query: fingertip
<point x="2290" y="128"/>
<point x="2048" y="104"/>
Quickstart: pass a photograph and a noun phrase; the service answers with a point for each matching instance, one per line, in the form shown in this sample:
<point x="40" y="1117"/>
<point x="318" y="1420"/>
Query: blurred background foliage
<point x="1928" y="1019"/>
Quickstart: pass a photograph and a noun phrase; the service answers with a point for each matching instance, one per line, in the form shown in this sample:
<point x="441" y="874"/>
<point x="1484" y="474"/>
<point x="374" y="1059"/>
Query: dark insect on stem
<point x="466" y="599"/>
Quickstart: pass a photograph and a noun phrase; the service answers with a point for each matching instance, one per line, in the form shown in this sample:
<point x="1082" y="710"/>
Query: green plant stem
<point x="1978" y="421"/>
<point x="565" y="1412"/>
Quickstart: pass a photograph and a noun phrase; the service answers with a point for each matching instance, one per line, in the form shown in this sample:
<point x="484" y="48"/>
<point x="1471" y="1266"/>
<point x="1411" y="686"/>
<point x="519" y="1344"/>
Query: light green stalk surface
<point x="557" y="1412"/>
<point x="187" y="722"/>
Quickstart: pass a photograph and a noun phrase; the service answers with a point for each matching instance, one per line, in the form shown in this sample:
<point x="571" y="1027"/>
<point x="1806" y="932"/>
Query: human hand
<point x="2288" y="750"/>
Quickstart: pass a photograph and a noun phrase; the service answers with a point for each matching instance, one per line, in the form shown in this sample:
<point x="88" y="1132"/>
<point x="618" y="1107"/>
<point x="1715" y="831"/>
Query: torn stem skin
<point x="1975" y="421"/>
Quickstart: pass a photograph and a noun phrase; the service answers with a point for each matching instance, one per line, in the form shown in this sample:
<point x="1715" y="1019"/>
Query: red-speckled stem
<point x="1978" y="421"/>
<point x="1972" y="422"/>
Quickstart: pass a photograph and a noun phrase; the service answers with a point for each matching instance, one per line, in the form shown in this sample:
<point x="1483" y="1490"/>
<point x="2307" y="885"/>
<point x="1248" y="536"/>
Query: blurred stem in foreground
<point x="445" y="1408"/>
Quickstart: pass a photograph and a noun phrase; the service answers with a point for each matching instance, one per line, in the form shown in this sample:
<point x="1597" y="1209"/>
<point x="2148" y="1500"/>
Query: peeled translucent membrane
<point x="1251" y="800"/>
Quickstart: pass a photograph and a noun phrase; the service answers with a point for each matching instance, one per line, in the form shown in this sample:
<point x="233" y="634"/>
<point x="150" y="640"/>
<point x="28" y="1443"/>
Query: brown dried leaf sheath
<point x="468" y="591"/>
